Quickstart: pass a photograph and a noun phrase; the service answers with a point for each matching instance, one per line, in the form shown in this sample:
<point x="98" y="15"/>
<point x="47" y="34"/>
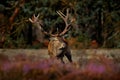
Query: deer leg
<point x="60" y="56"/>
<point x="68" y="55"/>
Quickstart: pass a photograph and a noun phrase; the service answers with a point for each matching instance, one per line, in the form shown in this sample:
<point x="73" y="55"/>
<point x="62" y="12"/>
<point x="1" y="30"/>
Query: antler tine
<point x="34" y="19"/>
<point x="30" y="20"/>
<point x="34" y="15"/>
<point x="38" y="23"/>
<point x="67" y="15"/>
<point x="61" y="14"/>
<point x="65" y="18"/>
<point x="38" y="15"/>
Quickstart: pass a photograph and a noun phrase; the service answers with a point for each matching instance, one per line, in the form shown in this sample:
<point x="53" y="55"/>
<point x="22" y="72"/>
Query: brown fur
<point x="58" y="47"/>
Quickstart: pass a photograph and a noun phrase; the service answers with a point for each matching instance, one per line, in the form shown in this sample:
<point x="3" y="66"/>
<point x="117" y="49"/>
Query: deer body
<point x="57" y="46"/>
<point x="54" y="45"/>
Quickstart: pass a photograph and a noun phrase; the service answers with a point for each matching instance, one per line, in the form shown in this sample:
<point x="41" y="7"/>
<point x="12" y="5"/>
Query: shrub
<point x="53" y="69"/>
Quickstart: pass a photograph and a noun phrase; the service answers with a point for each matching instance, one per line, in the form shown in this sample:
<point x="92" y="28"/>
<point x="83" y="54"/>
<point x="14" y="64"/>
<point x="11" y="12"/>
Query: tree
<point x="95" y="20"/>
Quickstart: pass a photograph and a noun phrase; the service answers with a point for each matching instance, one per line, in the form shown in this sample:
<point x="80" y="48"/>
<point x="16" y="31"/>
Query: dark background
<point x="97" y="22"/>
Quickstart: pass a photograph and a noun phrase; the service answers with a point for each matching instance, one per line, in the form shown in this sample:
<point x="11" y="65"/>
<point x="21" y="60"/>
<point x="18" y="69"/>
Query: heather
<point x="22" y="67"/>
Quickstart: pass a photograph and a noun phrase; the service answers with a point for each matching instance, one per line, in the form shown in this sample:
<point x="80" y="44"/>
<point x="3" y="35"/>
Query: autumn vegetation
<point x="21" y="67"/>
<point x="96" y="23"/>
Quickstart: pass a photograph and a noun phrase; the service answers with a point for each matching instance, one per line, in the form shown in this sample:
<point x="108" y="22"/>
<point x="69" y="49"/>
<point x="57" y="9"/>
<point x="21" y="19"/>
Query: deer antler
<point x="66" y="20"/>
<point x="34" y="19"/>
<point x="39" y="24"/>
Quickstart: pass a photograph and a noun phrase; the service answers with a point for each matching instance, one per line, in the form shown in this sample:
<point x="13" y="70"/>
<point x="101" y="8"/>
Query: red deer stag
<point x="57" y="47"/>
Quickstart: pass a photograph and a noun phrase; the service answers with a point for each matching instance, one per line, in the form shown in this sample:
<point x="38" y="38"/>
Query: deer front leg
<point x="68" y="55"/>
<point x="60" y="56"/>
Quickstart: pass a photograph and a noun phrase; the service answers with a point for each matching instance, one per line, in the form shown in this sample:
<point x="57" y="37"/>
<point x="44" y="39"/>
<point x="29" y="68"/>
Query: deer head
<point x="57" y="46"/>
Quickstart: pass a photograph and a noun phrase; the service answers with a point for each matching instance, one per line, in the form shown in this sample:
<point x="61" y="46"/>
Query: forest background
<point x="97" y="23"/>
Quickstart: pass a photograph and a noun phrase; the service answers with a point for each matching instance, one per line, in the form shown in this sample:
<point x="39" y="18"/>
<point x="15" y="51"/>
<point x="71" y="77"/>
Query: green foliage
<point x="98" y="13"/>
<point x="83" y="37"/>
